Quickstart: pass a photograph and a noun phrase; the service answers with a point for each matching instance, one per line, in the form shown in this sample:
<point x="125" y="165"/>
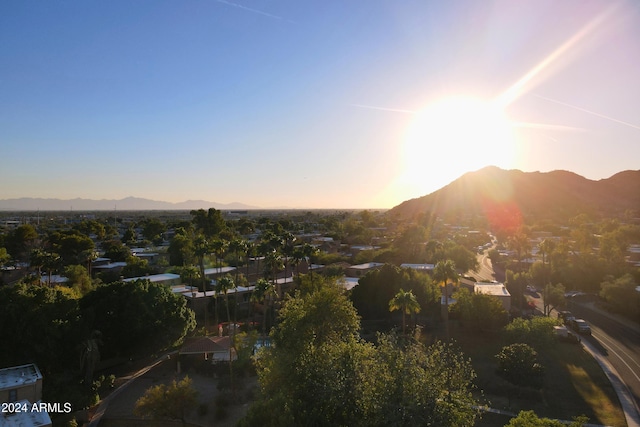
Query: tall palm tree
<point x="407" y="303"/>
<point x="272" y="265"/>
<point x="264" y="291"/>
<point x="238" y="246"/>
<point x="223" y="286"/>
<point x="219" y="247"/>
<point x="188" y="273"/>
<point x="288" y="241"/>
<point x="297" y="256"/>
<point x="309" y="251"/>
<point x="201" y="248"/>
<point x="445" y="272"/>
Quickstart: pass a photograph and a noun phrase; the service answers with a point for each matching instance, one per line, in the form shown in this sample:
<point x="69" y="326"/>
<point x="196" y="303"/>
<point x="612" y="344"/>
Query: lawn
<point x="574" y="383"/>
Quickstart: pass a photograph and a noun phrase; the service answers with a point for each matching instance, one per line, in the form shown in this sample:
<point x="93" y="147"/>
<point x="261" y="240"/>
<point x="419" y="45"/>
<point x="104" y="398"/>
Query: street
<point x="617" y="340"/>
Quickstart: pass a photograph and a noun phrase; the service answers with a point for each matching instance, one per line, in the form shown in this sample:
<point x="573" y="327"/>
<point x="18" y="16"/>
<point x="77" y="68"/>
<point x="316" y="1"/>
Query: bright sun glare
<point x="452" y="137"/>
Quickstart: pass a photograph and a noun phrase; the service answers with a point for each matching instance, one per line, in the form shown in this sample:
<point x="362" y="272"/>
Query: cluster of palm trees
<point x="276" y="254"/>
<point x="445" y="274"/>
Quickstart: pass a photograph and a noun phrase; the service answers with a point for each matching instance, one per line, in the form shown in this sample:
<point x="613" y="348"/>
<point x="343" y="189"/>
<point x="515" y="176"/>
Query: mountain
<point x="559" y="194"/>
<point x="127" y="204"/>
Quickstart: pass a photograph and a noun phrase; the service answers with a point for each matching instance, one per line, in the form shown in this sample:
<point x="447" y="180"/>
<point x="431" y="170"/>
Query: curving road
<point x="617" y="340"/>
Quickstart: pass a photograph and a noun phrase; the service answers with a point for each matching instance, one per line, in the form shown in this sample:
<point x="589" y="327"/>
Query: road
<point x="618" y="341"/>
<point x="485" y="269"/>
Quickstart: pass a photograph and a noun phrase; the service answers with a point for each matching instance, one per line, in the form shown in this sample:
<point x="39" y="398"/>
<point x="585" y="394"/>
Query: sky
<point x="310" y="104"/>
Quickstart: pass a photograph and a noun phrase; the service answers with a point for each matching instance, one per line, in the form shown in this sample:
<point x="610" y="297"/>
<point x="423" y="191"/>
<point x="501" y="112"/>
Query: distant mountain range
<point x="557" y="194"/>
<point x="127" y="204"/>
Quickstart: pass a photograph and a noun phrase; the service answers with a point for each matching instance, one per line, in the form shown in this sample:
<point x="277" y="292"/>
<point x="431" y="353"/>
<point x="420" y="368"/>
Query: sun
<point x="454" y="136"/>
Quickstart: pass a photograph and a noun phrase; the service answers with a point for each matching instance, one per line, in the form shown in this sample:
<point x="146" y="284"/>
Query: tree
<point x="136" y="267"/>
<point x="153" y="317"/>
<point x="202" y="248"/>
<point x="238" y="247"/>
<point x="320" y="372"/>
<point x="480" y="311"/>
<point x="407" y="303"/>
<point x="210" y="223"/>
<point x="4" y="257"/>
<point x="181" y="249"/>
<point x="518" y="364"/>
<point x="152" y="229"/>
<point x="530" y="419"/>
<point x="20" y="241"/>
<point x="171" y="401"/>
<point x="225" y="284"/>
<point x="444" y="273"/>
<point x="264" y="291"/>
<point x="622" y="295"/>
<point x="553" y="297"/>
<point x="79" y="279"/>
<point x="116" y="251"/>
<point x="537" y="332"/>
<point x="40" y="324"/>
<point x="90" y="356"/>
<point x="72" y="246"/>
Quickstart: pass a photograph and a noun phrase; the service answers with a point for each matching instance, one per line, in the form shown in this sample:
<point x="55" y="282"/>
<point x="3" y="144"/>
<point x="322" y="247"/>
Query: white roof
<point x="155" y="277"/>
<point x="219" y="270"/>
<point x="496" y="289"/>
<point x="118" y="264"/>
<point x="367" y="265"/>
<point x="25" y="419"/>
<point x="19" y="375"/>
<point x="55" y="278"/>
<point x="418" y="266"/>
<point x="348" y="282"/>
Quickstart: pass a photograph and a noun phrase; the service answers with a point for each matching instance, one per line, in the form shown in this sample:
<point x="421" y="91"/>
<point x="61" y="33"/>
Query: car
<point x="566" y="316"/>
<point x="581" y="326"/>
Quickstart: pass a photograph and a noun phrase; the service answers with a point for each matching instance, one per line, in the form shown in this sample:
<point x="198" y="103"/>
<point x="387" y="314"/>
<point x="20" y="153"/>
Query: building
<point x="22" y="418"/>
<point x="495" y="289"/>
<point x="420" y="267"/>
<point x="168" y="279"/>
<point x="20" y="383"/>
<point x="360" y="270"/>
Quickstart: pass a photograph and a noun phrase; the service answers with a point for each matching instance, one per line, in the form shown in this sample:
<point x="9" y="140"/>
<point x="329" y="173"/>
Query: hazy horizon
<point x="310" y="105"/>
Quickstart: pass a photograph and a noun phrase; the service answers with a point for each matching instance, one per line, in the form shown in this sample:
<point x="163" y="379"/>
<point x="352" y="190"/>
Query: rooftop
<point x="25" y="419"/>
<point x="19" y="375"/>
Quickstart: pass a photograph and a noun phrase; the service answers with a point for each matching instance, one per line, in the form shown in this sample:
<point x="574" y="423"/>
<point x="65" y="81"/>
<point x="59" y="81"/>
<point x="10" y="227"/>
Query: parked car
<point x="566" y="316"/>
<point x="581" y="327"/>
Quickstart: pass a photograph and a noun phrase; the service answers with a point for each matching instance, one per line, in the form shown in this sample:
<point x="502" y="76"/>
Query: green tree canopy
<point x="518" y="364"/>
<point x="479" y="311"/>
<point x="375" y="289"/>
<point x="137" y="317"/>
<point x="407" y="303"/>
<point x="530" y="419"/>
<point x="171" y="401"/>
<point x="319" y="372"/>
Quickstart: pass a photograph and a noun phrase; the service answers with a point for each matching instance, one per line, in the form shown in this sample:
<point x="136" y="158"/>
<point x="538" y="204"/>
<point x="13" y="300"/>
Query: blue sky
<point x="310" y="104"/>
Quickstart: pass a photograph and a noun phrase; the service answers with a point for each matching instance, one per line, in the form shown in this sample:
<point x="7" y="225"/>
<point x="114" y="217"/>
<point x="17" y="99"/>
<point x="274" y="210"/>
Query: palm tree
<point x="288" y="240"/>
<point x="201" y="248"/>
<point x="90" y="355"/>
<point x="407" y="303"/>
<point x="219" y="247"/>
<point x="272" y="265"/>
<point x="297" y="256"/>
<point x="188" y="273"/>
<point x="238" y="246"/>
<point x="443" y="272"/>
<point x="264" y="291"/>
<point x="224" y="285"/>
<point x="309" y="251"/>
